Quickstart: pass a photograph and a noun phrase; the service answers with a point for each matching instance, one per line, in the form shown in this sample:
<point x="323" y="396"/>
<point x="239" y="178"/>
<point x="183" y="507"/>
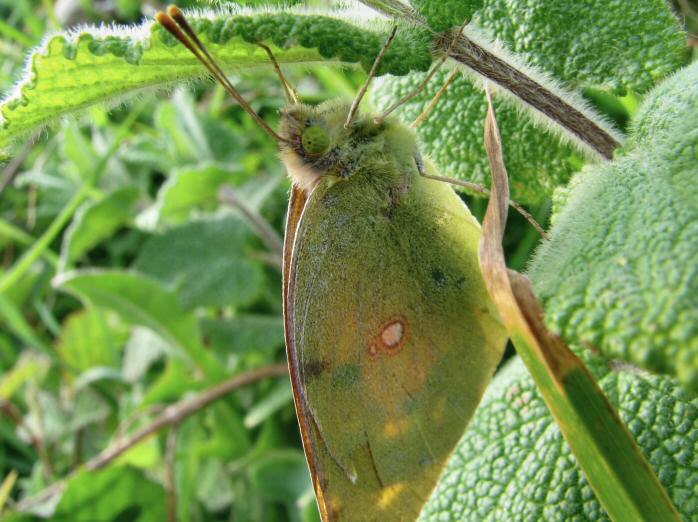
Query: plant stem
<point x="516" y="80"/>
<point x="171" y="416"/>
<point x="14" y="233"/>
<point x="22" y="266"/>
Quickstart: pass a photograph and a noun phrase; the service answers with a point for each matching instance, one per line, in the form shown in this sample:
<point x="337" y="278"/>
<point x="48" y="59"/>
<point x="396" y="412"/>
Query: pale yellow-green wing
<point x="391" y="338"/>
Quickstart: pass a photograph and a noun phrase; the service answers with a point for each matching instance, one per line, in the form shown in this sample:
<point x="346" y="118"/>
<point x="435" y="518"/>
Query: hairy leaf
<point x="620" y="269"/>
<point x="513" y="464"/>
<point x="443" y="14"/>
<point x="673" y="101"/>
<point x="557" y="38"/>
<point x="74" y="70"/>
<point x="617" y="44"/>
<point x="453" y="136"/>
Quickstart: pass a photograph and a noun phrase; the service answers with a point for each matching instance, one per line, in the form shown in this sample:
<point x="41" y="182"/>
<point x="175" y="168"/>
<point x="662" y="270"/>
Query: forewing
<point x="391" y="341"/>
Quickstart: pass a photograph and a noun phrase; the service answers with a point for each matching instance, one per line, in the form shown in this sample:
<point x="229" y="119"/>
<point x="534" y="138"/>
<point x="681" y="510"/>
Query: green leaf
<point x="244" y="333"/>
<point x="74" y="70"/>
<point x="618" y="272"/>
<point x="87" y="340"/>
<point x="29" y="367"/>
<point x="205" y="261"/>
<point x="113" y="494"/>
<point x="513" y="464"/>
<point x="213" y="486"/>
<point x="171" y="384"/>
<point x="11" y="317"/>
<point x="674" y="100"/>
<point x="142" y="301"/>
<point x="193" y="188"/>
<point x="142" y="350"/>
<point x="579" y="42"/>
<point x="280" y="396"/>
<point x="453" y="136"/>
<point x="95" y="222"/>
<point x="444" y="14"/>
<point x="281" y="475"/>
<point x="576" y="42"/>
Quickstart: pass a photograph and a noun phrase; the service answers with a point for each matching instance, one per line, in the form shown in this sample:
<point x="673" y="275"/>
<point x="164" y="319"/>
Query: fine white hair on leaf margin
<point x="484" y="39"/>
<point x="141" y="33"/>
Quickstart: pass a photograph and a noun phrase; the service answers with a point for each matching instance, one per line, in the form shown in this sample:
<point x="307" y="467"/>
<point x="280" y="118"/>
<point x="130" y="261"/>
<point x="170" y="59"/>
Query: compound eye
<point x="315" y="140"/>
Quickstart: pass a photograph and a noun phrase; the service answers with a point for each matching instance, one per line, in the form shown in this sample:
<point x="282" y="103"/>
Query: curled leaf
<point x="606" y="451"/>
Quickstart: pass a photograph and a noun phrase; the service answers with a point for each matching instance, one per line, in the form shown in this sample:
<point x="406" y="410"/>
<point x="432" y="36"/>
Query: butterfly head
<point x="318" y="144"/>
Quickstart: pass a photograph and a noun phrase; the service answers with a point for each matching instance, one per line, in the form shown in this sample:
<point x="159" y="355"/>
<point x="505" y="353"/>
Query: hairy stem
<point x="531" y="92"/>
<point x="515" y="80"/>
<point x="171" y="416"/>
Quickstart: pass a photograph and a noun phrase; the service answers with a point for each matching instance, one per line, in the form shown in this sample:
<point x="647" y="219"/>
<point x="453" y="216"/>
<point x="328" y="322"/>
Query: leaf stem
<point x="22" y="266"/>
<point x="516" y="80"/>
<point x="172" y="415"/>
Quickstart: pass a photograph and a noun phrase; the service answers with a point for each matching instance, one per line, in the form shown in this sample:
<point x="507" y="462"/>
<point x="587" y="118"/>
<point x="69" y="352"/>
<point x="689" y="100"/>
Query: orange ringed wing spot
<point x="391" y="337"/>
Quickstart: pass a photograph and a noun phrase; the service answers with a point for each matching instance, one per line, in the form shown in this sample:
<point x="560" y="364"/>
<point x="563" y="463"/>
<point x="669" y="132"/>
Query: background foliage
<point x="156" y="289"/>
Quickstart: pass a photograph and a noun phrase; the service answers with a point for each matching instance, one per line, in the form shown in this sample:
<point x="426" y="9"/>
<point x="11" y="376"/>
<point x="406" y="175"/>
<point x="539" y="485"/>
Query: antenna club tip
<point x="173" y="11"/>
<point x="160" y="16"/>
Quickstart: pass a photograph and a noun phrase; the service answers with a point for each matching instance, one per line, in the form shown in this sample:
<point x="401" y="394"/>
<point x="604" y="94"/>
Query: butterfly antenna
<point x="424" y="82"/>
<point x="426" y="112"/>
<point x="176" y="24"/>
<point x="371" y="74"/>
<point x="291" y="94"/>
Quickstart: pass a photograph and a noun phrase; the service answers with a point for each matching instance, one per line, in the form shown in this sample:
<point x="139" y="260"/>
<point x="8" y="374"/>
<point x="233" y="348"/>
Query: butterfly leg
<point x="480" y="189"/>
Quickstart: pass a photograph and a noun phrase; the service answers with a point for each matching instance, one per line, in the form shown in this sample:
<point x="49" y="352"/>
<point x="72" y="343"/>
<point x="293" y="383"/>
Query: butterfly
<point x="391" y="335"/>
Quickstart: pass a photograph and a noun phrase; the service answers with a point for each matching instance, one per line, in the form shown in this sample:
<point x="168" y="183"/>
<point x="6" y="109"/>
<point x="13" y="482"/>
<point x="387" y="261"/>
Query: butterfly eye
<point x="315" y="140"/>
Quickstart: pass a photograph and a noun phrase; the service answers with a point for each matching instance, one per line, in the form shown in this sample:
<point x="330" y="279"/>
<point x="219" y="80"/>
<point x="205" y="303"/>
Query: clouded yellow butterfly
<point x="390" y="333"/>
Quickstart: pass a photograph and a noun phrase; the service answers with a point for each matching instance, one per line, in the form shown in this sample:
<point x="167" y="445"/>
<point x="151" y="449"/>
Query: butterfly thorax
<point x="319" y="146"/>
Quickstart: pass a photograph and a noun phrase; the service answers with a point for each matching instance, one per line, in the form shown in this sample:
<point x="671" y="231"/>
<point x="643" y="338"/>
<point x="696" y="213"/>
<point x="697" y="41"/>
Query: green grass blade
<point x="41" y="245"/>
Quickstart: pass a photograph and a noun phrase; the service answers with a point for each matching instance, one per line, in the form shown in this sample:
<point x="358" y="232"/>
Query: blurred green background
<point x="75" y="378"/>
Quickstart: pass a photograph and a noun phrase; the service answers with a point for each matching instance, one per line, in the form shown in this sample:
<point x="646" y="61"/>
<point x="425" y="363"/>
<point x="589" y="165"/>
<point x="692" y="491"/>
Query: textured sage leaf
<point x="206" y="261"/>
<point x="617" y="44"/>
<point x="76" y="69"/>
<point x="575" y="42"/>
<point x="453" y="136"/>
<point x="674" y="100"/>
<point x="443" y="14"/>
<point x="620" y="269"/>
<point x="513" y="464"/>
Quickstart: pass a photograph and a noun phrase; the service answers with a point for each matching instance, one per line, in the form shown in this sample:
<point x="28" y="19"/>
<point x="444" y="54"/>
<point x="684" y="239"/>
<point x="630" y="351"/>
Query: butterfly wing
<point x="391" y="340"/>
